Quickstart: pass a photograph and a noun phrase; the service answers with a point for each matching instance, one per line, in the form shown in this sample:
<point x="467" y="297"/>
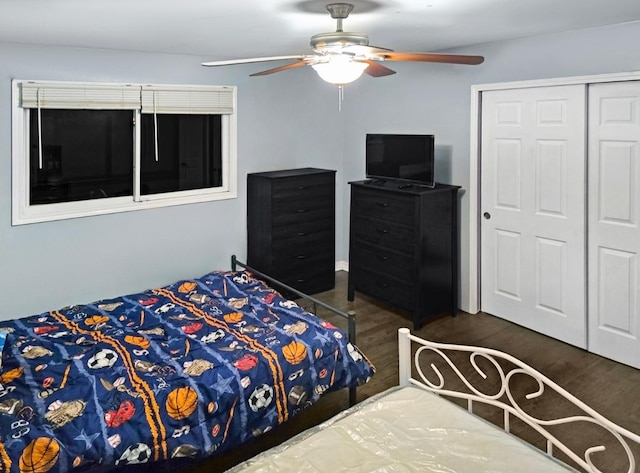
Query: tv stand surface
<point x="409" y="186"/>
<point x="393" y="184"/>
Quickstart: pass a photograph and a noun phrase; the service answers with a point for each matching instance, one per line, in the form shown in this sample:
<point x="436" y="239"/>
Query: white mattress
<point x="404" y="430"/>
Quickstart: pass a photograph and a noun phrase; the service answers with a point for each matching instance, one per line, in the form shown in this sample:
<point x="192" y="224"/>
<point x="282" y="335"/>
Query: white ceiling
<point x="214" y="30"/>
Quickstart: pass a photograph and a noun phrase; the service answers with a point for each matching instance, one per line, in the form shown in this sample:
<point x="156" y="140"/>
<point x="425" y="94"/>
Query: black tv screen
<point x="406" y="157"/>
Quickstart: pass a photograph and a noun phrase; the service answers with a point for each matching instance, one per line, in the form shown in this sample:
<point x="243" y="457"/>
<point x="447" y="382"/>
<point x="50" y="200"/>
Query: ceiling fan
<point x="340" y="57"/>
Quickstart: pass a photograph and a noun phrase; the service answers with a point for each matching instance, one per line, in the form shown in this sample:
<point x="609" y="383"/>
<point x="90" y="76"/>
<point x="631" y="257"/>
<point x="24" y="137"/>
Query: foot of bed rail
<point x="233" y="263"/>
<point x="351" y="326"/>
<point x="350" y="315"/>
<point x="352" y="396"/>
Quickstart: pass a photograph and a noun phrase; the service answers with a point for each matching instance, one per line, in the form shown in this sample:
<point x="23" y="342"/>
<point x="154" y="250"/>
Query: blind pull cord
<point x="39" y="130"/>
<point x="155" y="125"/>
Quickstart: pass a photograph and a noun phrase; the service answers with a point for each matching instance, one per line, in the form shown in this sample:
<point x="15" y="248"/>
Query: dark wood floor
<point x="611" y="388"/>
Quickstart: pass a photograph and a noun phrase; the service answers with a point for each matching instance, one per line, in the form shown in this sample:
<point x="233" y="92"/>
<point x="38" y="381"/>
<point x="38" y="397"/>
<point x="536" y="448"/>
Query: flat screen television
<point x="406" y="157"/>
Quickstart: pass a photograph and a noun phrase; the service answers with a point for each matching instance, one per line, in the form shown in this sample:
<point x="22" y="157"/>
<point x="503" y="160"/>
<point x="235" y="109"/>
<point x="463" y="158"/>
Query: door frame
<point x="475" y="164"/>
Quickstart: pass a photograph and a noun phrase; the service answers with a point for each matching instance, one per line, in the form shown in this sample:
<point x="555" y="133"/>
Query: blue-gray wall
<point x="285" y="120"/>
<point x="436" y="99"/>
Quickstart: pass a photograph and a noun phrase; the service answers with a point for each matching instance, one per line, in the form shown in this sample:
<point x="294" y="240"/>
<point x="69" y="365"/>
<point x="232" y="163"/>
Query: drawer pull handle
<point x="301" y="211"/>
<point x="301" y="256"/>
<point x="382" y="231"/>
<point x="382" y="204"/>
<point x="302" y="187"/>
<point x="382" y="284"/>
<point x="382" y="257"/>
<point x="301" y="280"/>
<point x="302" y="233"/>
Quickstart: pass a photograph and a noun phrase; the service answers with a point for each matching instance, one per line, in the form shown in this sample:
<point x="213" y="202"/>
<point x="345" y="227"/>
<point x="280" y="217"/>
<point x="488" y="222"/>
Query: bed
<point x="413" y="427"/>
<point x="173" y="374"/>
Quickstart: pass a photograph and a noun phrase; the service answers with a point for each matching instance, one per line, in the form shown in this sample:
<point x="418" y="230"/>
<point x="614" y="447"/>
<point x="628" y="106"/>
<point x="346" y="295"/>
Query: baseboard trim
<point x="342" y="266"/>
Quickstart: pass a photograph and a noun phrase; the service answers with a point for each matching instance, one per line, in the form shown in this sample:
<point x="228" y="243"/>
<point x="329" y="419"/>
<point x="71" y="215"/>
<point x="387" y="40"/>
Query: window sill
<point x="27" y="214"/>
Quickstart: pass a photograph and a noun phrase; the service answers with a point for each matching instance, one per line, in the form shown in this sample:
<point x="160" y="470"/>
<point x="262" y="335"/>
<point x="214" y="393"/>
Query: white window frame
<point x="25" y="213"/>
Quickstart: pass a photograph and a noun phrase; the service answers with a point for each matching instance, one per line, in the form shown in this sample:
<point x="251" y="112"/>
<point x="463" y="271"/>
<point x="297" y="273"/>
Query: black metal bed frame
<point x="349" y="316"/>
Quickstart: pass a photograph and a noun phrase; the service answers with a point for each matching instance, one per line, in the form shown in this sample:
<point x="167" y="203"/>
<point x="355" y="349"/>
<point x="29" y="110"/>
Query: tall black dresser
<point x="403" y="246"/>
<point x="291" y="226"/>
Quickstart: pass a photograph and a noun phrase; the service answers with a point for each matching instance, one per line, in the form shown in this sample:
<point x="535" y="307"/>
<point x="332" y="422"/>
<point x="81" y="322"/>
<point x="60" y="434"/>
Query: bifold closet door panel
<point x="614" y="220"/>
<point x="533" y="209"/>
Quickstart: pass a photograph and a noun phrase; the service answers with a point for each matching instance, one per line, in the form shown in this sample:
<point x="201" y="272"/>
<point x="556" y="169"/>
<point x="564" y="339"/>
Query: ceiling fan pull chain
<point x="340" y="96"/>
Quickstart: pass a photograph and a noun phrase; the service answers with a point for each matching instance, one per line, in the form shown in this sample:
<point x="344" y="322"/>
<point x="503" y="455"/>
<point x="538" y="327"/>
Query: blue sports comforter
<point x="182" y="371"/>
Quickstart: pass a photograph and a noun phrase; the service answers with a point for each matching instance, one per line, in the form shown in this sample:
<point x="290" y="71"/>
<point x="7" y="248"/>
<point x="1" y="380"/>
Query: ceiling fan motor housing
<point x="337" y="40"/>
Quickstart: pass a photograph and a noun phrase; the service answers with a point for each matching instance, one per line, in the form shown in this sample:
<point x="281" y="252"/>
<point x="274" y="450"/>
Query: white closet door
<point x="532" y="200"/>
<point x="614" y="219"/>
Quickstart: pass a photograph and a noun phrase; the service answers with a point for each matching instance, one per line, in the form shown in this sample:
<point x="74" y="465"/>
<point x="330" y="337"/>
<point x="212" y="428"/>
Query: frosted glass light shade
<point x="340" y="70"/>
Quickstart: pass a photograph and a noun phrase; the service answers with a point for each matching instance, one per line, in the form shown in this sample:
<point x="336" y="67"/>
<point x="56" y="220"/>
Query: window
<point x="84" y="149"/>
<point x="86" y="154"/>
<point x="189" y="153"/>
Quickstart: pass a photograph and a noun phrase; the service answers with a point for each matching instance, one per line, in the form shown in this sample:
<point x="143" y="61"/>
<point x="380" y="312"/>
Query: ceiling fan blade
<point x="229" y="62"/>
<point x="291" y="65"/>
<point x="376" y="69"/>
<point x="432" y="57"/>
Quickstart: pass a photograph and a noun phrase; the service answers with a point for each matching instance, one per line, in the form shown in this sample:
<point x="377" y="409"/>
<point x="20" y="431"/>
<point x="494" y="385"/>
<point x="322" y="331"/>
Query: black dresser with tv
<point x="403" y="246"/>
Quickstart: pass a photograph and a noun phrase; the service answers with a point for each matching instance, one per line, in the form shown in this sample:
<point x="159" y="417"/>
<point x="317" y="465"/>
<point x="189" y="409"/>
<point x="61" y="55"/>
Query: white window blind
<point x="79" y="96"/>
<point x="196" y="100"/>
<point x="151" y="99"/>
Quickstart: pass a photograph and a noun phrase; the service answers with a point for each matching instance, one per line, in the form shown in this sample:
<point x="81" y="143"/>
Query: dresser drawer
<point x="383" y="205"/>
<point x="304" y="259"/>
<point x="383" y="261"/>
<point x="389" y="235"/>
<point x="306" y="187"/>
<point x="397" y="293"/>
<point x="318" y="280"/>
<point x="306" y="276"/>
<point x="301" y="250"/>
<point x="310" y="229"/>
<point x="287" y="211"/>
<point x="296" y="238"/>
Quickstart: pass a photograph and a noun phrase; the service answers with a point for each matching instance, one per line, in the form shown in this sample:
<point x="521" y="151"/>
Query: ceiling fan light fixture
<point x="340" y="70"/>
